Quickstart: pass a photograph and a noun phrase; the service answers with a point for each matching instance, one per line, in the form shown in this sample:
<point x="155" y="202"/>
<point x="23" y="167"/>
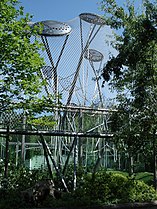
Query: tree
<point x="20" y="61"/>
<point x="20" y="65"/>
<point x="133" y="73"/>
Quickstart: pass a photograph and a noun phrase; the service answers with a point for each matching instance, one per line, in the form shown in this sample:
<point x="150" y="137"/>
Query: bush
<point x="102" y="188"/>
<point x="142" y="192"/>
<point x="97" y="188"/>
<point x="19" y="179"/>
<point x="120" y="186"/>
<point x="109" y="188"/>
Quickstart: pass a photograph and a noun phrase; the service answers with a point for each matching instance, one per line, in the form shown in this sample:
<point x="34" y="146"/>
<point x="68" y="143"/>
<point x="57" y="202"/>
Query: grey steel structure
<point x="81" y="134"/>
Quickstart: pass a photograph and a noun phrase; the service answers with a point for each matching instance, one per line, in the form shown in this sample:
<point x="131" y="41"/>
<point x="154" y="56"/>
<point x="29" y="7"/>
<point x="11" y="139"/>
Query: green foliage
<point x="141" y="192"/>
<point x="69" y="178"/>
<point x="102" y="189"/>
<point x="117" y="188"/>
<point x="108" y="188"/>
<point x="133" y="74"/>
<point x="21" y="82"/>
<point x="105" y="188"/>
<point x="20" y="178"/>
<point x="134" y="68"/>
<point x="43" y="121"/>
<point x="20" y="60"/>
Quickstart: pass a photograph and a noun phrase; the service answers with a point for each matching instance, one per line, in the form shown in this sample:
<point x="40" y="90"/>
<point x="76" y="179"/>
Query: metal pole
<point x="46" y="155"/>
<point x="6" y="157"/>
<point x="17" y="150"/>
<point x="23" y="139"/>
<point x="80" y="148"/>
<point x="75" y="163"/>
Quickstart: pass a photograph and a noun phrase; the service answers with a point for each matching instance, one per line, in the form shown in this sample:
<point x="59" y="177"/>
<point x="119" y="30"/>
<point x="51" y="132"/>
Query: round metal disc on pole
<point x="93" y="55"/>
<point x="53" y="28"/>
<point x="92" y="18"/>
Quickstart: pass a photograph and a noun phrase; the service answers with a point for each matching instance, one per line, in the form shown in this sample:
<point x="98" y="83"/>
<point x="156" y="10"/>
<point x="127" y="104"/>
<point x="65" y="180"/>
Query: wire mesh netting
<point x="74" y="55"/>
<point x="74" y="61"/>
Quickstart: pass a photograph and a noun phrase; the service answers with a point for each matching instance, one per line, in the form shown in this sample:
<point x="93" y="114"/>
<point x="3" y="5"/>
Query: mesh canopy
<point x="74" y="55"/>
<point x="74" y="60"/>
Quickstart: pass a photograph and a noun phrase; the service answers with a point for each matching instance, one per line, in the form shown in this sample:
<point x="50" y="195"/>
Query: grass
<point x="142" y="176"/>
<point x="145" y="176"/>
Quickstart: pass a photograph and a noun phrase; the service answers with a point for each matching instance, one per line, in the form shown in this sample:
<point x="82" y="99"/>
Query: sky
<point x="60" y="10"/>
<point x="63" y="10"/>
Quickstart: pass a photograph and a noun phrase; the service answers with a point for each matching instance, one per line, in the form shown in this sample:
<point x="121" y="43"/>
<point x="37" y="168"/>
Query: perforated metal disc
<point x="92" y="18"/>
<point x="93" y="55"/>
<point x="54" y="28"/>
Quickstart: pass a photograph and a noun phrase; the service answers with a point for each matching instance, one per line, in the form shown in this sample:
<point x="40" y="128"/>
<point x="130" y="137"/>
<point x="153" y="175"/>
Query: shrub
<point x="120" y="186"/>
<point x="109" y="188"/>
<point x="102" y="188"/>
<point x="97" y="188"/>
<point x="142" y="192"/>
